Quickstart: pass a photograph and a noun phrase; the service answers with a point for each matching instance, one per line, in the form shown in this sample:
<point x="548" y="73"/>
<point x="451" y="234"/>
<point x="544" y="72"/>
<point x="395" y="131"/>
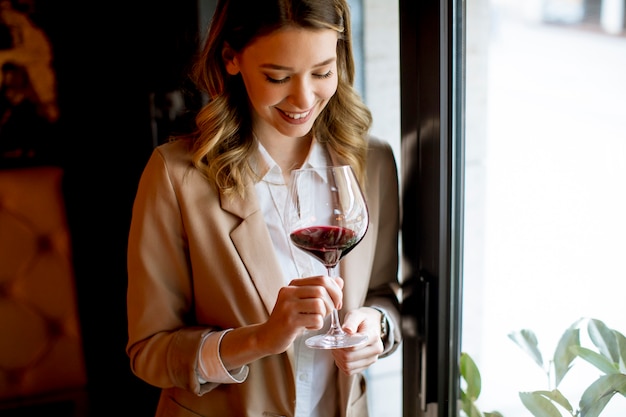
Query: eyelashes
<point x="275" y="81"/>
<point x="323" y="76"/>
<point x="286" y="79"/>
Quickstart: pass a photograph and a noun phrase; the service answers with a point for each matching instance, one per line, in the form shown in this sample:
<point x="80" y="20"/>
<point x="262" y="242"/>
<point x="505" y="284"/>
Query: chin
<point x="296" y="130"/>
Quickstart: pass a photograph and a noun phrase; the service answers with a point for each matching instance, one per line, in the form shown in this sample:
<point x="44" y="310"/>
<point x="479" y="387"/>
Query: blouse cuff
<point x="214" y="370"/>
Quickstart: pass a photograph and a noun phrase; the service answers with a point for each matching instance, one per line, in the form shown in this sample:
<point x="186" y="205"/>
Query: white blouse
<point x="314" y="369"/>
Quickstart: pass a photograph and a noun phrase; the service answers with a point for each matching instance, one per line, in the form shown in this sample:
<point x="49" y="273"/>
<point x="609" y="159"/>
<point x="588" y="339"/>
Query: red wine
<point x="327" y="243"/>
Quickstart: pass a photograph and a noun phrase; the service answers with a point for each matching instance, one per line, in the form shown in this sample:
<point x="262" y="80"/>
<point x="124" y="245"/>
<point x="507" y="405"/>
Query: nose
<point x="302" y="94"/>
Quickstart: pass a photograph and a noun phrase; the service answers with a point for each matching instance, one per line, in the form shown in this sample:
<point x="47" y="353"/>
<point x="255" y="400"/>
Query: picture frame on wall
<point x="29" y="109"/>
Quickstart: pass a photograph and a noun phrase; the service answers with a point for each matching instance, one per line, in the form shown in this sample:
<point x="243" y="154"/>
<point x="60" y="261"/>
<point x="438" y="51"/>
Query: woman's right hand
<point x="301" y="305"/>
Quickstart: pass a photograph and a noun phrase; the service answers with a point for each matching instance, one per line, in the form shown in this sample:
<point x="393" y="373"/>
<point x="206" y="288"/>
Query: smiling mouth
<point x="297" y="116"/>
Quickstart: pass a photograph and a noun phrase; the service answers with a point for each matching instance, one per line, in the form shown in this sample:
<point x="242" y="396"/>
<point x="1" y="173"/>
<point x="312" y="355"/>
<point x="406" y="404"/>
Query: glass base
<point x="335" y="341"/>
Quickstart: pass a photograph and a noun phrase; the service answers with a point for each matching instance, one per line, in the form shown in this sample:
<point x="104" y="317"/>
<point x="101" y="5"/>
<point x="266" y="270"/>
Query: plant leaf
<point x="596" y="359"/>
<point x="564" y="355"/>
<point x="493" y="414"/>
<point x="598" y="394"/>
<point x="539" y="405"/>
<point x="594" y="409"/>
<point x="527" y="340"/>
<point x="604" y="339"/>
<point x="557" y="397"/>
<point x="621" y="342"/>
<point x="469" y="407"/>
<point x="471" y="374"/>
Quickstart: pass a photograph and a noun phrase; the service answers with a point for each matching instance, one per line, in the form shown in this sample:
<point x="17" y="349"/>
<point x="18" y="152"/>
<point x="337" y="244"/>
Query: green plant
<point x="471" y="385"/>
<point x="609" y="356"/>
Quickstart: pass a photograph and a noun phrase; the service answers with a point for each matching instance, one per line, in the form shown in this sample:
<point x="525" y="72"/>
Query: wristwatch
<point x="384" y="324"/>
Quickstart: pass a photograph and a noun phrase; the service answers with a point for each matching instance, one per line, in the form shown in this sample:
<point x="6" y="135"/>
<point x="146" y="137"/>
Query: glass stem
<point x="335" y="324"/>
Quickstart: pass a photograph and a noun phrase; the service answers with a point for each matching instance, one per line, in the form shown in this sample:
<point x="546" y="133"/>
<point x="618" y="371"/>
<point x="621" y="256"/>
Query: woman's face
<point x="290" y="75"/>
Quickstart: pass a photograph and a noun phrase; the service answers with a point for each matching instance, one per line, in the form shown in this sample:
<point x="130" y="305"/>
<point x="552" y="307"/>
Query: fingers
<point x="355" y="360"/>
<point x="328" y="289"/>
<point x="363" y="320"/>
<point x="303" y="304"/>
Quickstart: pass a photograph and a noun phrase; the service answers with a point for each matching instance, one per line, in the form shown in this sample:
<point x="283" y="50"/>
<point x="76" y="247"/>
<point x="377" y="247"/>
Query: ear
<point x="230" y="60"/>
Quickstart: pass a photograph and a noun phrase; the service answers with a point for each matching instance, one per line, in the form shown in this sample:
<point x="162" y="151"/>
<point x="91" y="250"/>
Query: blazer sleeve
<point x="162" y="348"/>
<point x="383" y="188"/>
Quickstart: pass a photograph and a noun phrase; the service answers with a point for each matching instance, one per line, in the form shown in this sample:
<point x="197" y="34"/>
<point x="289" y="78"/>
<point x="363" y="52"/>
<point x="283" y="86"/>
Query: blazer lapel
<point x="253" y="242"/>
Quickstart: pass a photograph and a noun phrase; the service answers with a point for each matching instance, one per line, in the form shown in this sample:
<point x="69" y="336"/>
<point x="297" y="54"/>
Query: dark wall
<point x="111" y="59"/>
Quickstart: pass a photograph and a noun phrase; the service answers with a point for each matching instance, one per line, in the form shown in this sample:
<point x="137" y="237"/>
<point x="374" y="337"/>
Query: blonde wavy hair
<point x="223" y="142"/>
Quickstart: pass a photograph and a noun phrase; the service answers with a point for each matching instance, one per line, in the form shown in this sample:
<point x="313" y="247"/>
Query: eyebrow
<point x="283" y="68"/>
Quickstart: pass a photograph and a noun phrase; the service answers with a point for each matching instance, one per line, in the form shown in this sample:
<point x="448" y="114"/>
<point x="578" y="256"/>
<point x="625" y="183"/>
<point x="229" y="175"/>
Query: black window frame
<point x="432" y="65"/>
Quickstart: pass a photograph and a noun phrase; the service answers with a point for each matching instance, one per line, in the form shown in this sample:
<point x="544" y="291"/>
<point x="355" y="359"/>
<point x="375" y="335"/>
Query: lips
<point x="296" y="117"/>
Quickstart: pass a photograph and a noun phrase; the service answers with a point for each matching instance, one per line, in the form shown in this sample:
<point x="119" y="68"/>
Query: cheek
<point x="265" y="96"/>
<point x="327" y="90"/>
<point x="260" y="92"/>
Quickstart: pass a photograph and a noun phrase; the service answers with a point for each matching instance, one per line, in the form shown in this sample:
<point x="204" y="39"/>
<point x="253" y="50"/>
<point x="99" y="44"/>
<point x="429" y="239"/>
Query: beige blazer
<point x="198" y="261"/>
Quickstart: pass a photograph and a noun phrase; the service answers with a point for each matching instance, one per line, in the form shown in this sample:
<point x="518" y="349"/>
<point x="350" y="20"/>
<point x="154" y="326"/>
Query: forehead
<point x="293" y="47"/>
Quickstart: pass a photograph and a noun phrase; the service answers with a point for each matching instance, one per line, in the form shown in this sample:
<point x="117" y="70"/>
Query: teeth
<point x="297" y="116"/>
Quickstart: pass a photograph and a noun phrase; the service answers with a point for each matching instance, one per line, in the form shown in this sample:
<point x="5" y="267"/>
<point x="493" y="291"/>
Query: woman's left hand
<point x="357" y="359"/>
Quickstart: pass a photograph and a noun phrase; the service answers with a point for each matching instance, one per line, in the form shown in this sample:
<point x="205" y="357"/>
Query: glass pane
<point x="545" y="190"/>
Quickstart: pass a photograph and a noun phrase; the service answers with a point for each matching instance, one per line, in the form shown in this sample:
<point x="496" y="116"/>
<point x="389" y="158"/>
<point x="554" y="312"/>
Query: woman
<point x="219" y="303"/>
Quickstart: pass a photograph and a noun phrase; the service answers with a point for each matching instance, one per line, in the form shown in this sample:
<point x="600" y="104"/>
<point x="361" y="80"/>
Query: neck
<point x="290" y="153"/>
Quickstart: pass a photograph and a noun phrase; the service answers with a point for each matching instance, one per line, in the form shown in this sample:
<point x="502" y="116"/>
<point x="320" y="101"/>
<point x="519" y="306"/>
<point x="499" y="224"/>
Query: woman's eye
<point x="275" y="80"/>
<point x="327" y="75"/>
<point x="286" y="79"/>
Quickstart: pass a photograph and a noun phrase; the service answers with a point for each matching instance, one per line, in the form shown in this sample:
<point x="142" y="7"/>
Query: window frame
<point x="432" y="140"/>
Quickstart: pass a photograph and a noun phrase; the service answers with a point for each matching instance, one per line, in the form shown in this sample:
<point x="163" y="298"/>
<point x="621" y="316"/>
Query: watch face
<point x="384" y="326"/>
<point x="384" y="323"/>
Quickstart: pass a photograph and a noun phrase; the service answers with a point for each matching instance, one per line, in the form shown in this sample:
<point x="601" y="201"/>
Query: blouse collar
<point x="267" y="169"/>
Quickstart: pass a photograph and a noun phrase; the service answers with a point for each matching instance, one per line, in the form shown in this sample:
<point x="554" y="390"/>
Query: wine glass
<point x="326" y="217"/>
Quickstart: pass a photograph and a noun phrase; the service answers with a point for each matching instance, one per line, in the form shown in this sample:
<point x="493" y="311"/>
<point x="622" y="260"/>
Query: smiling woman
<point x="290" y="76"/>
<point x="215" y="288"/>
